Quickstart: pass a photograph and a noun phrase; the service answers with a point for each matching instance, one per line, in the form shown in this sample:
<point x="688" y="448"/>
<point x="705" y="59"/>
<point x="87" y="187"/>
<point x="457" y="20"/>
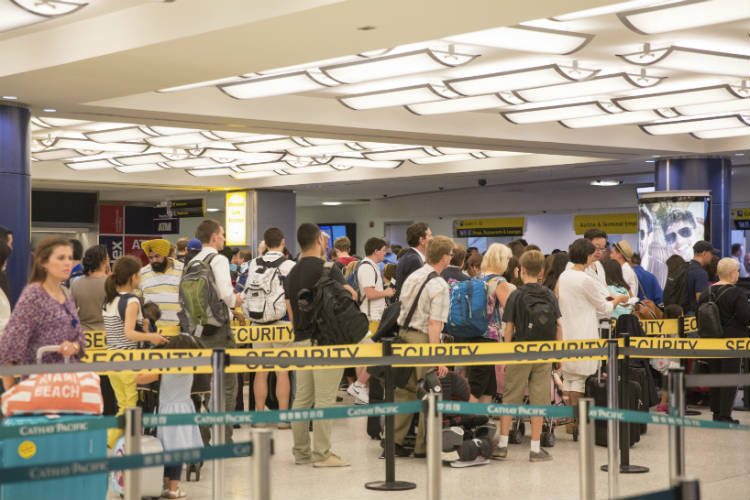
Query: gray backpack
<point x="198" y="295"/>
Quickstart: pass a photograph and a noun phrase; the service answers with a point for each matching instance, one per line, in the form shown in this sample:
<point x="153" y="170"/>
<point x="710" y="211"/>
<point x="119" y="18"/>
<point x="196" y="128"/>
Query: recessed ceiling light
<point x="331" y="203"/>
<point x="650" y="161"/>
<point x="605" y="182"/>
<point x="10" y="97"/>
<point x="739" y="154"/>
<point x="49" y="110"/>
<point x="212" y="210"/>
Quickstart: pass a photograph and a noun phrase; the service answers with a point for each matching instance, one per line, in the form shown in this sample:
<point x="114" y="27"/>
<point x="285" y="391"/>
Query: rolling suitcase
<point x="151" y="478"/>
<point x="596" y="388"/>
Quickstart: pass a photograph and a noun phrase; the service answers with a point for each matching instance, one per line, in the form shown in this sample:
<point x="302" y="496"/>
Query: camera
<point x="482" y="182"/>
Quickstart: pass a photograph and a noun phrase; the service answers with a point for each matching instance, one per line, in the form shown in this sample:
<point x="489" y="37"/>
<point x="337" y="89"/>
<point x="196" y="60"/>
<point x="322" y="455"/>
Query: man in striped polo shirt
<point x="160" y="282"/>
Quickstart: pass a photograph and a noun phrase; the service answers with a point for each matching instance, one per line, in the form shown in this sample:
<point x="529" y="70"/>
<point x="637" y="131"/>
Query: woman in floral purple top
<point x="45" y="314"/>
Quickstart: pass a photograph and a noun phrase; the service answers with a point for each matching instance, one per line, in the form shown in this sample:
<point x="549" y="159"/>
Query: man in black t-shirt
<point x="314" y="387"/>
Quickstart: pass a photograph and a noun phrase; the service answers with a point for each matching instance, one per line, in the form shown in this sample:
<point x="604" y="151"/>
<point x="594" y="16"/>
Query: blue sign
<point x="115" y="246"/>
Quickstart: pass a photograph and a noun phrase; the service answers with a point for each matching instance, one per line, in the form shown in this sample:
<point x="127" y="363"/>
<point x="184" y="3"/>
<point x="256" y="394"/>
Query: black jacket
<point x="734" y="309"/>
<point x="410" y="262"/>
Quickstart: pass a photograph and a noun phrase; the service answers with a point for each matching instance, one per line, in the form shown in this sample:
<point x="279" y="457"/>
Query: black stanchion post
<point x="612" y="466"/>
<point x="688" y="489"/>
<point x="683" y="362"/>
<point x="218" y="396"/>
<point x="625" y="466"/>
<point x="390" y="483"/>
<point x="676" y="433"/>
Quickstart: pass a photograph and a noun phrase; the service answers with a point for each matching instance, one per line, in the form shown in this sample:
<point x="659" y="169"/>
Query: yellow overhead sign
<point x="498" y="226"/>
<point x="610" y="223"/>
<point x="236" y="212"/>
<point x="741" y="213"/>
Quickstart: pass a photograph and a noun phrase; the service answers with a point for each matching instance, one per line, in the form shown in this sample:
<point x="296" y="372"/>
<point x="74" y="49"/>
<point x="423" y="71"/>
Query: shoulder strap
<point x="415" y="302"/>
<point x="122" y="304"/>
<point x="264" y="263"/>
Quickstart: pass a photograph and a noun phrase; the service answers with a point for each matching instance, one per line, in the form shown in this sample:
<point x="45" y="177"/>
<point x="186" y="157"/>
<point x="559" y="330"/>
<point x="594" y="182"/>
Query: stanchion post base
<point x="392" y="486"/>
<point x="629" y="469"/>
<point x="692" y="413"/>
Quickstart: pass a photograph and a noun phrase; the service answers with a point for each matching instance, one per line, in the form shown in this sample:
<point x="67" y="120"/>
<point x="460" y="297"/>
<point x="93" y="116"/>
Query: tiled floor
<point x="719" y="459"/>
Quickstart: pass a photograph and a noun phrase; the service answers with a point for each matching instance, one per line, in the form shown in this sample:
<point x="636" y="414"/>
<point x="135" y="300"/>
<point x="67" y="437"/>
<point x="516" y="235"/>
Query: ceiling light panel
<point x="210" y="172"/>
<point x="56" y="154"/>
<point x="364" y="163"/>
<point x="223" y="154"/>
<point x="272" y="145"/>
<point x="192" y="163"/>
<point x="117" y="147"/>
<point x="554" y="113"/>
<point x="597" y="86"/>
<point x="608" y="9"/>
<point x="190" y="139"/>
<point x="692" y="60"/>
<point x="328" y="149"/>
<point x="736" y="106"/>
<point x="540" y="76"/>
<point x="457" y="105"/>
<point x="134" y="169"/>
<point x="419" y="61"/>
<point x="720" y="134"/>
<point x="262" y="167"/>
<point x="527" y="38"/>
<point x="140" y="159"/>
<point x="398" y="154"/>
<point x="396" y="97"/>
<point x="119" y="135"/>
<point x="613" y="119"/>
<point x="291" y="83"/>
<point x="443" y="159"/>
<point x="684" y="15"/>
<point x="715" y="93"/>
<point x="17" y="13"/>
<point x="89" y="164"/>
<point x="172" y="130"/>
<point x="253" y="175"/>
<point x="694" y="125"/>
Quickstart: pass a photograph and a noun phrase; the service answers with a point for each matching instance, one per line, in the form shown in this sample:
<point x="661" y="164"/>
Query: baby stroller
<point x="468" y="440"/>
<point x="547" y="439"/>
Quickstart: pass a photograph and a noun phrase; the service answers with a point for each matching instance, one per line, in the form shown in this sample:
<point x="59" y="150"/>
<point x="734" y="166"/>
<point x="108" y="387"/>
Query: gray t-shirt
<point x="88" y="294"/>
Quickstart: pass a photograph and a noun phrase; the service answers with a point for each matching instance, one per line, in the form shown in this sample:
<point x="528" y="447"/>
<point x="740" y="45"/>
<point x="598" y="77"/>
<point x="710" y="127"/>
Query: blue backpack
<point x="468" y="308"/>
<point x="353" y="279"/>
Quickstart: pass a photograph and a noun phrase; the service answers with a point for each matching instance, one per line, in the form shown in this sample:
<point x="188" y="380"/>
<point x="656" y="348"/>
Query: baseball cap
<point x="704" y="246"/>
<point x="194" y="244"/>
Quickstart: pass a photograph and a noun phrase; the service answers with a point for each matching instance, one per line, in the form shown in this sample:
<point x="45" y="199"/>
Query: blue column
<point x="707" y="174"/>
<point x="15" y="191"/>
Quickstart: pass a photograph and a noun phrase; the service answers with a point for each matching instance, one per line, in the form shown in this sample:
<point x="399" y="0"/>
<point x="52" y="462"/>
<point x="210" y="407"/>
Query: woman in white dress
<point x="174" y="397"/>
<point x="581" y="300"/>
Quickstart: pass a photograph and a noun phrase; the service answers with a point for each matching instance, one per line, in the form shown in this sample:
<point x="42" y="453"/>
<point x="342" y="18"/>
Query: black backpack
<point x="709" y="317"/>
<point x="389" y="321"/>
<point x="536" y="318"/>
<point x="675" y="289"/>
<point x="335" y="315"/>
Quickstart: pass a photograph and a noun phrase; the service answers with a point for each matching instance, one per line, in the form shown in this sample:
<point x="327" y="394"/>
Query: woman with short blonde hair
<point x="496" y="259"/>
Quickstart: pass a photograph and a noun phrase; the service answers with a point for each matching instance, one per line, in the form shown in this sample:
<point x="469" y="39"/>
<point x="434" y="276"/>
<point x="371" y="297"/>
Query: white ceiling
<point x="105" y="63"/>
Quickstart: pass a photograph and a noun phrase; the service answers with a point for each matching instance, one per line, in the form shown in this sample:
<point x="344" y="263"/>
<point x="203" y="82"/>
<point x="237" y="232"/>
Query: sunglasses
<point x="684" y="232"/>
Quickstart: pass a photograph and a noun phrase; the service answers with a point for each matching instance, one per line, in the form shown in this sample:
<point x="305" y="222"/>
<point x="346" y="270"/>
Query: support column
<point x="15" y="191"/>
<point x="278" y="209"/>
<point x="712" y="174"/>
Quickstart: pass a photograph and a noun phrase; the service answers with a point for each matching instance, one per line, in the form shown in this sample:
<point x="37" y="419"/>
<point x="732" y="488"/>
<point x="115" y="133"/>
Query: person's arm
<point x="508" y="333"/>
<point x="595" y="296"/>
<point x="289" y="311"/>
<point x="434" y="330"/>
<point x="20" y="328"/>
<point x="502" y="292"/>
<point x="337" y="275"/>
<point x="368" y="285"/>
<point x="741" y="308"/>
<point x="131" y="317"/>
<point x="146" y="378"/>
<point x="223" y="280"/>
<point x="700" y="282"/>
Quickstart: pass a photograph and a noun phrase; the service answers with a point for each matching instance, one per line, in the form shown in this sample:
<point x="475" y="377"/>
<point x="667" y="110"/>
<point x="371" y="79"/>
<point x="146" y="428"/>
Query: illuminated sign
<point x="498" y="226"/>
<point x="610" y="223"/>
<point x="236" y="223"/>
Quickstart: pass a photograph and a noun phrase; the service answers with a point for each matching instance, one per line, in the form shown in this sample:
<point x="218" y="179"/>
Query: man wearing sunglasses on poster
<point x="680" y="233"/>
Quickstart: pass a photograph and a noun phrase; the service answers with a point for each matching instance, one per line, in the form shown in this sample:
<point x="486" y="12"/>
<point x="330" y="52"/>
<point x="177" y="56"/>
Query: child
<point x="617" y="286"/>
<point x="174" y="397"/>
<point x="152" y="313"/>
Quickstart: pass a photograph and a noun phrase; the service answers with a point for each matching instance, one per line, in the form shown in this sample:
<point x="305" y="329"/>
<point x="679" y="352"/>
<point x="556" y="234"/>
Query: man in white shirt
<point x="218" y="334"/>
<point x="622" y="253"/>
<point x="274" y="257"/>
<point x="737" y="255"/>
<point x="370" y="284"/>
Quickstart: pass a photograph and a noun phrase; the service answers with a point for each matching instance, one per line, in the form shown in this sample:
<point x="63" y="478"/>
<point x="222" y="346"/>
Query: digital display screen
<point x="670" y="225"/>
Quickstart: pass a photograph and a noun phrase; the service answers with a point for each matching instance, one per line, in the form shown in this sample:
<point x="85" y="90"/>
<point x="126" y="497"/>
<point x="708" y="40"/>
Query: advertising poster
<point x="670" y="223"/>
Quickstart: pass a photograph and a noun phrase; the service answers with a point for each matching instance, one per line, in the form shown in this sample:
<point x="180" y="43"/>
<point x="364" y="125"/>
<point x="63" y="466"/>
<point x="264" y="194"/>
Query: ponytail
<point x="124" y="269"/>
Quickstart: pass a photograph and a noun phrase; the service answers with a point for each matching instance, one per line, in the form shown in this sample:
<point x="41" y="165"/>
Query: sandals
<point x="178" y="493"/>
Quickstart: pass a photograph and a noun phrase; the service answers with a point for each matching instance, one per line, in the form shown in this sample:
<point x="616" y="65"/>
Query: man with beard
<point x="160" y="281"/>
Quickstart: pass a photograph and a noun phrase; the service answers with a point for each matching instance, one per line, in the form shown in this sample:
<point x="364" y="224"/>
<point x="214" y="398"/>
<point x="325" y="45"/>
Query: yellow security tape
<point x="356" y="352"/>
<point x="256" y="334"/>
<point x="667" y="326"/>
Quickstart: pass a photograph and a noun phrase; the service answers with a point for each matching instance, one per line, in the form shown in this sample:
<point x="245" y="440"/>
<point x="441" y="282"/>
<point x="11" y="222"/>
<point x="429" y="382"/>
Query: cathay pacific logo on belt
<point x="522" y="411"/>
<point x="222" y="419"/>
<point x="372" y="412"/>
<point x="53" y="428"/>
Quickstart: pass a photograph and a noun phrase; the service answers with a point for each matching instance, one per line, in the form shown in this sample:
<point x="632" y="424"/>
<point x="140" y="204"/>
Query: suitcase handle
<point x="48" y="348"/>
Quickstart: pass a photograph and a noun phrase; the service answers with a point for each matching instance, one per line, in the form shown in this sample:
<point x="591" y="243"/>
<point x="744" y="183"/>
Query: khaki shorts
<point x="535" y="376"/>
<point x="574" y="382"/>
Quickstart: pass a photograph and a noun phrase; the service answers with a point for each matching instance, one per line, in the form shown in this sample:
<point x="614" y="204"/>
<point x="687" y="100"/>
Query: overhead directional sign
<point x="498" y="226"/>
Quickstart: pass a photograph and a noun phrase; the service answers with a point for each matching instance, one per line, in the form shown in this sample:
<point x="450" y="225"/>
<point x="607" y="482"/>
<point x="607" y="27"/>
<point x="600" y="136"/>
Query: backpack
<point x="263" y="296"/>
<point x="468" y="308"/>
<point x="388" y="326"/>
<point x="122" y="306"/>
<point x="353" y="280"/>
<point x="535" y="318"/>
<point x="198" y="294"/>
<point x="709" y="318"/>
<point x="335" y="314"/>
<point x="675" y="289"/>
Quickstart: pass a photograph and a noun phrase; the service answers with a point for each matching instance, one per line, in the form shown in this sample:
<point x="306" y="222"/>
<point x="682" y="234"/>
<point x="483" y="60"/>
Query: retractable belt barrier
<point x="95" y="466"/>
<point x="373" y="410"/>
<point x="282" y="332"/>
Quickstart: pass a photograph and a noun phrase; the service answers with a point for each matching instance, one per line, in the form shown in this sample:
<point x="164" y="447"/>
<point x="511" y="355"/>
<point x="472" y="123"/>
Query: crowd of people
<point x="529" y="296"/>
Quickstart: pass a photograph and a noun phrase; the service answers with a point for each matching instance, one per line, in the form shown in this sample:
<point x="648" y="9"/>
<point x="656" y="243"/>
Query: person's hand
<point x="238" y="300"/>
<point x="239" y="316"/>
<point x="442" y="371"/>
<point x="621" y="299"/>
<point x="158" y="339"/>
<point x="390" y="292"/>
<point x="68" y="349"/>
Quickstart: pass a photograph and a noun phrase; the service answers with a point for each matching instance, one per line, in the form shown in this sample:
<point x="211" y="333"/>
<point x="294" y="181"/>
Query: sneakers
<point x="360" y="393"/>
<point x="500" y="453"/>
<point x="333" y="460"/>
<point x="540" y="456"/>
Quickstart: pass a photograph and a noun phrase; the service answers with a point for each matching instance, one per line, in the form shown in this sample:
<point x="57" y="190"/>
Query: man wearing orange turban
<point x="160" y="282"/>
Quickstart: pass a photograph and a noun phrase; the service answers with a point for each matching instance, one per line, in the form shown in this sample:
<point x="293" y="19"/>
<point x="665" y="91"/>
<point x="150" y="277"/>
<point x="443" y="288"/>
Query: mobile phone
<point x="609" y="297"/>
